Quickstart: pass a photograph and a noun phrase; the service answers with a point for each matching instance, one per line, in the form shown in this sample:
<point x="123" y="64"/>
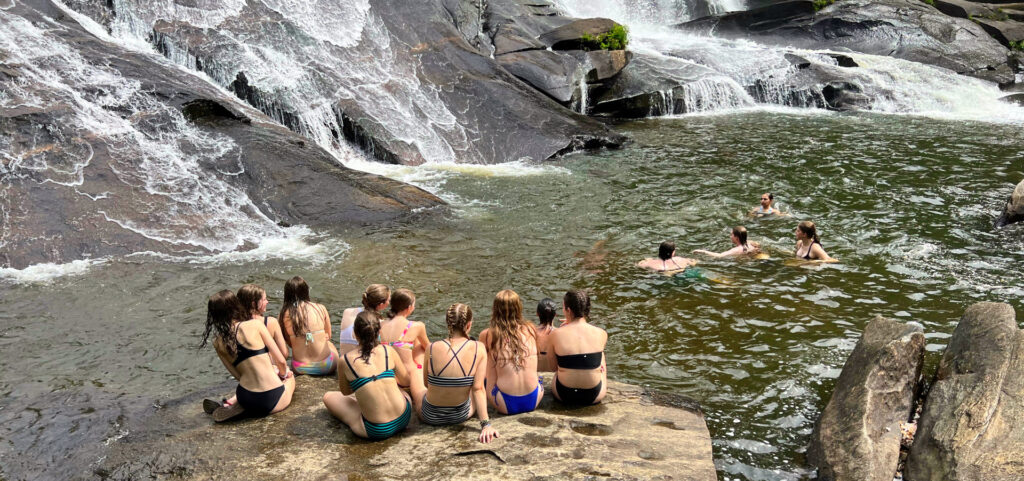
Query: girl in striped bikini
<point x="373" y="371"/>
<point x="455" y="370"/>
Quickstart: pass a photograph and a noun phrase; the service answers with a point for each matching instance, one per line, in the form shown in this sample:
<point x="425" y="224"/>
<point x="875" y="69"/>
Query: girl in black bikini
<point x="577" y="348"/>
<point x="247" y="350"/>
<point x="667" y="260"/>
<point x="808" y="246"/>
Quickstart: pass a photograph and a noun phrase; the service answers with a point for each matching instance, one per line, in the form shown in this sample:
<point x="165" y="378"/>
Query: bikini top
<point x="663" y="264"/>
<point x="309" y="335"/>
<point x="809" y="248"/>
<point x="760" y="210"/>
<point x="467" y="378"/>
<point x="244" y="353"/>
<point x="347" y="335"/>
<point x="590" y="360"/>
<point x="359" y="382"/>
<point x="400" y="342"/>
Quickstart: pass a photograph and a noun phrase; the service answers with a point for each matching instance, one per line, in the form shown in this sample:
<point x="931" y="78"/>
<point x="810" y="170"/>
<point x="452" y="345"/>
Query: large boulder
<point x="633" y="434"/>
<point x="577" y="34"/>
<point x="119" y="151"/>
<point x="972" y="425"/>
<point x="965" y="9"/>
<point x="906" y="29"/>
<point x="1013" y="211"/>
<point x="1007" y="32"/>
<point x="857" y="437"/>
<point x="553" y="73"/>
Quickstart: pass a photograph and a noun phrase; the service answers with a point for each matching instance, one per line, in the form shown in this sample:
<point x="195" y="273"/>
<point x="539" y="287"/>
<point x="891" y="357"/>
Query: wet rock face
<point x="147" y="157"/>
<point x="1013" y="211"/>
<point x="629" y="436"/>
<point x="972" y="425"/>
<point x="857" y="437"/>
<point x="906" y="29"/>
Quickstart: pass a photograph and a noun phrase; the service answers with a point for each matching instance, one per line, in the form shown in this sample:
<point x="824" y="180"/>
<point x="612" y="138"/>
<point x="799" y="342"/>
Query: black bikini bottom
<point x="577" y="396"/>
<point x="258" y="404"/>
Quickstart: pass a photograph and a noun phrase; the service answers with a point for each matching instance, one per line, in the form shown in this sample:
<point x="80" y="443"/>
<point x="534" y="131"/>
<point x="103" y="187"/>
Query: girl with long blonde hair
<point x="511" y="343"/>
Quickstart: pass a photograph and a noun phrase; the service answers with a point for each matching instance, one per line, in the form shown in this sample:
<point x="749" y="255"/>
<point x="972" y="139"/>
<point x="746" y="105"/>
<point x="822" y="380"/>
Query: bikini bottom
<point x="378" y="431"/>
<point x="320" y="368"/>
<point x="518" y="404"/>
<point x="444" y="415"/>
<point x="577" y="396"/>
<point x="258" y="404"/>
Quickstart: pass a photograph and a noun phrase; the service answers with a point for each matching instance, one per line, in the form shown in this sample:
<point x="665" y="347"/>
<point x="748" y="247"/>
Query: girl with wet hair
<point x="577" y="351"/>
<point x="408" y="337"/>
<point x="453" y="386"/>
<point x="740" y="245"/>
<point x="375" y="298"/>
<point x="546" y="310"/>
<point x="511" y="344"/>
<point x="667" y="261"/>
<point x="254" y="300"/>
<point x="808" y="245"/>
<point x="250" y="354"/>
<point x="307" y="329"/>
<point x="372" y="372"/>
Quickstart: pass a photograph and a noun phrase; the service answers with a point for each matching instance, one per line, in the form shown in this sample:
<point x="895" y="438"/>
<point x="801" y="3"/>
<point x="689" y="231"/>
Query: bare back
<point x="512" y="380"/>
<point x="578" y="337"/>
<point x="314" y="344"/>
<point x="380" y="400"/>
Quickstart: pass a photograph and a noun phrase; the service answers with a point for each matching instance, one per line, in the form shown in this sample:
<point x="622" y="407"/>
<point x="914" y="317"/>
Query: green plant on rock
<point x="929" y="2"/>
<point x="615" y="39"/>
<point x="820" y="4"/>
<point x="1017" y="45"/>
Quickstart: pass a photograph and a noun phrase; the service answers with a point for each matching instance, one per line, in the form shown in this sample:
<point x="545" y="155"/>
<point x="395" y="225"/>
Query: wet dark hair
<point x="295" y="291"/>
<point x="375" y="295"/>
<point x="741" y="235"/>
<point x="770" y="196"/>
<point x="807" y="227"/>
<point x="401" y="300"/>
<point x="577" y="301"/>
<point x="221" y="310"/>
<point x="546" y="310"/>
<point x="666" y="249"/>
<point x="366" y="329"/>
<point x="457" y="318"/>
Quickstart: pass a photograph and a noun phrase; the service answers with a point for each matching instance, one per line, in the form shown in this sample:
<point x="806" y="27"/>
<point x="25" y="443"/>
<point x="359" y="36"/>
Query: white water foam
<point x="47" y="272"/>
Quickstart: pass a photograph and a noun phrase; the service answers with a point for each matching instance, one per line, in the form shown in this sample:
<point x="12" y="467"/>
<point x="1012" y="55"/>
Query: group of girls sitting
<point x="389" y="368"/>
<point x="808" y="248"/>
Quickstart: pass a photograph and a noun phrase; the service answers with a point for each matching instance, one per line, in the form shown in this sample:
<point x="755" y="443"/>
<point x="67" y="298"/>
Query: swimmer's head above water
<point x="807" y="230"/>
<point x="666" y="250"/>
<point x="766" y="200"/>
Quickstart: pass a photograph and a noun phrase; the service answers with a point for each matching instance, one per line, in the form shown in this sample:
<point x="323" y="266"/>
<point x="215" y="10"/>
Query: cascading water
<point x="70" y="108"/>
<point x="889" y="85"/>
<point x="302" y="68"/>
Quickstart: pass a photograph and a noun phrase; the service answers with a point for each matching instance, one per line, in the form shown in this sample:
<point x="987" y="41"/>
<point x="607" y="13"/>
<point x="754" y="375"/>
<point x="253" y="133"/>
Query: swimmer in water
<point x="766" y="208"/>
<point x="808" y="246"/>
<point x="667" y="260"/>
<point x="741" y="246"/>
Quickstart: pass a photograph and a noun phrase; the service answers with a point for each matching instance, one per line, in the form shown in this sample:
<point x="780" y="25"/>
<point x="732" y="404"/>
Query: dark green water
<point x="906" y="203"/>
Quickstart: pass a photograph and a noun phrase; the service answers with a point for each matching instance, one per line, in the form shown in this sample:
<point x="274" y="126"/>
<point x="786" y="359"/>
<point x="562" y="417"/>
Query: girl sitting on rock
<point x="454" y="376"/>
<point x="379" y="409"/>
<point x="577" y="349"/>
<point x="250" y="354"/>
<point x="511" y="344"/>
<point x="409" y="338"/>
<point x="307" y="328"/>
<point x="376" y="298"/>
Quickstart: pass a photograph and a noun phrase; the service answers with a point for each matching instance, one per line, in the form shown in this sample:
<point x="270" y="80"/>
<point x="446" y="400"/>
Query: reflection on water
<point x="905" y="203"/>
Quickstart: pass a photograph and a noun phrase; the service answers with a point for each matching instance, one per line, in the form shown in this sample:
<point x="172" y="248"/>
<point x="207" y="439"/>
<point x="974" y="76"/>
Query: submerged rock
<point x="1013" y="211"/>
<point x="633" y="434"/>
<point x="858" y="436"/>
<point x="906" y="29"/>
<point x="972" y="425"/>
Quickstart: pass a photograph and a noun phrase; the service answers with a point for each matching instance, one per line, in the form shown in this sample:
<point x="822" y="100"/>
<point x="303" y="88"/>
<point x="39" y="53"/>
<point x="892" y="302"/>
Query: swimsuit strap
<point x="431" y="349"/>
<point x="677" y="264"/>
<point x="350" y="367"/>
<point x="455" y="357"/>
<point x="266" y="319"/>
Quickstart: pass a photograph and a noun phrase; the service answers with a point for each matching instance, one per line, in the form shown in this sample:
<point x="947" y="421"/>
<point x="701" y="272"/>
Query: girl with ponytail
<point x="376" y="298"/>
<point x="808" y="246"/>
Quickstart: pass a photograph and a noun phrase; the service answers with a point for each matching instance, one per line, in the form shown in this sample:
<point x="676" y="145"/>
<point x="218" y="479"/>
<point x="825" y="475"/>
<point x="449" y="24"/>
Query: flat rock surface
<point x="972" y="425"/>
<point x="633" y="434"/>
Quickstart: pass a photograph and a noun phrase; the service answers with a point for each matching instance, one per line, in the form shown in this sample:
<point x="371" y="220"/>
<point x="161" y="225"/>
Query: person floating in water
<point x="667" y="261"/>
<point x="740" y="245"/>
<point x="808" y="246"/>
<point x="766" y="207"/>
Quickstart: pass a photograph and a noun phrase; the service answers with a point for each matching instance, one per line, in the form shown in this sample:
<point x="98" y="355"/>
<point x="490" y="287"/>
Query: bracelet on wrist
<point x="485" y="423"/>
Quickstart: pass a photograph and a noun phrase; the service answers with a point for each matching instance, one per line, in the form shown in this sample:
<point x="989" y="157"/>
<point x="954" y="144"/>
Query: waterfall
<point x="890" y="85"/>
<point x="178" y="176"/>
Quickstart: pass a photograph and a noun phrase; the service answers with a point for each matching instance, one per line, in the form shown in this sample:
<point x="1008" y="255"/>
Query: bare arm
<point x="426" y="360"/>
<point x="343" y="384"/>
<point x="222" y="354"/>
<point x="279" y="337"/>
<point x="818" y="253"/>
<point x="479" y="394"/>
<point x="712" y="254"/>
<point x="327" y="322"/>
<point x="401" y="373"/>
<point x="275" y="353"/>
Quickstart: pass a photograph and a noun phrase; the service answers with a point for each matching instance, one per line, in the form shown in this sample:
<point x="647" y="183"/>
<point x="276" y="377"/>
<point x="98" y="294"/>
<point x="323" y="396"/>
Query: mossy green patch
<point x="615" y="39"/>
